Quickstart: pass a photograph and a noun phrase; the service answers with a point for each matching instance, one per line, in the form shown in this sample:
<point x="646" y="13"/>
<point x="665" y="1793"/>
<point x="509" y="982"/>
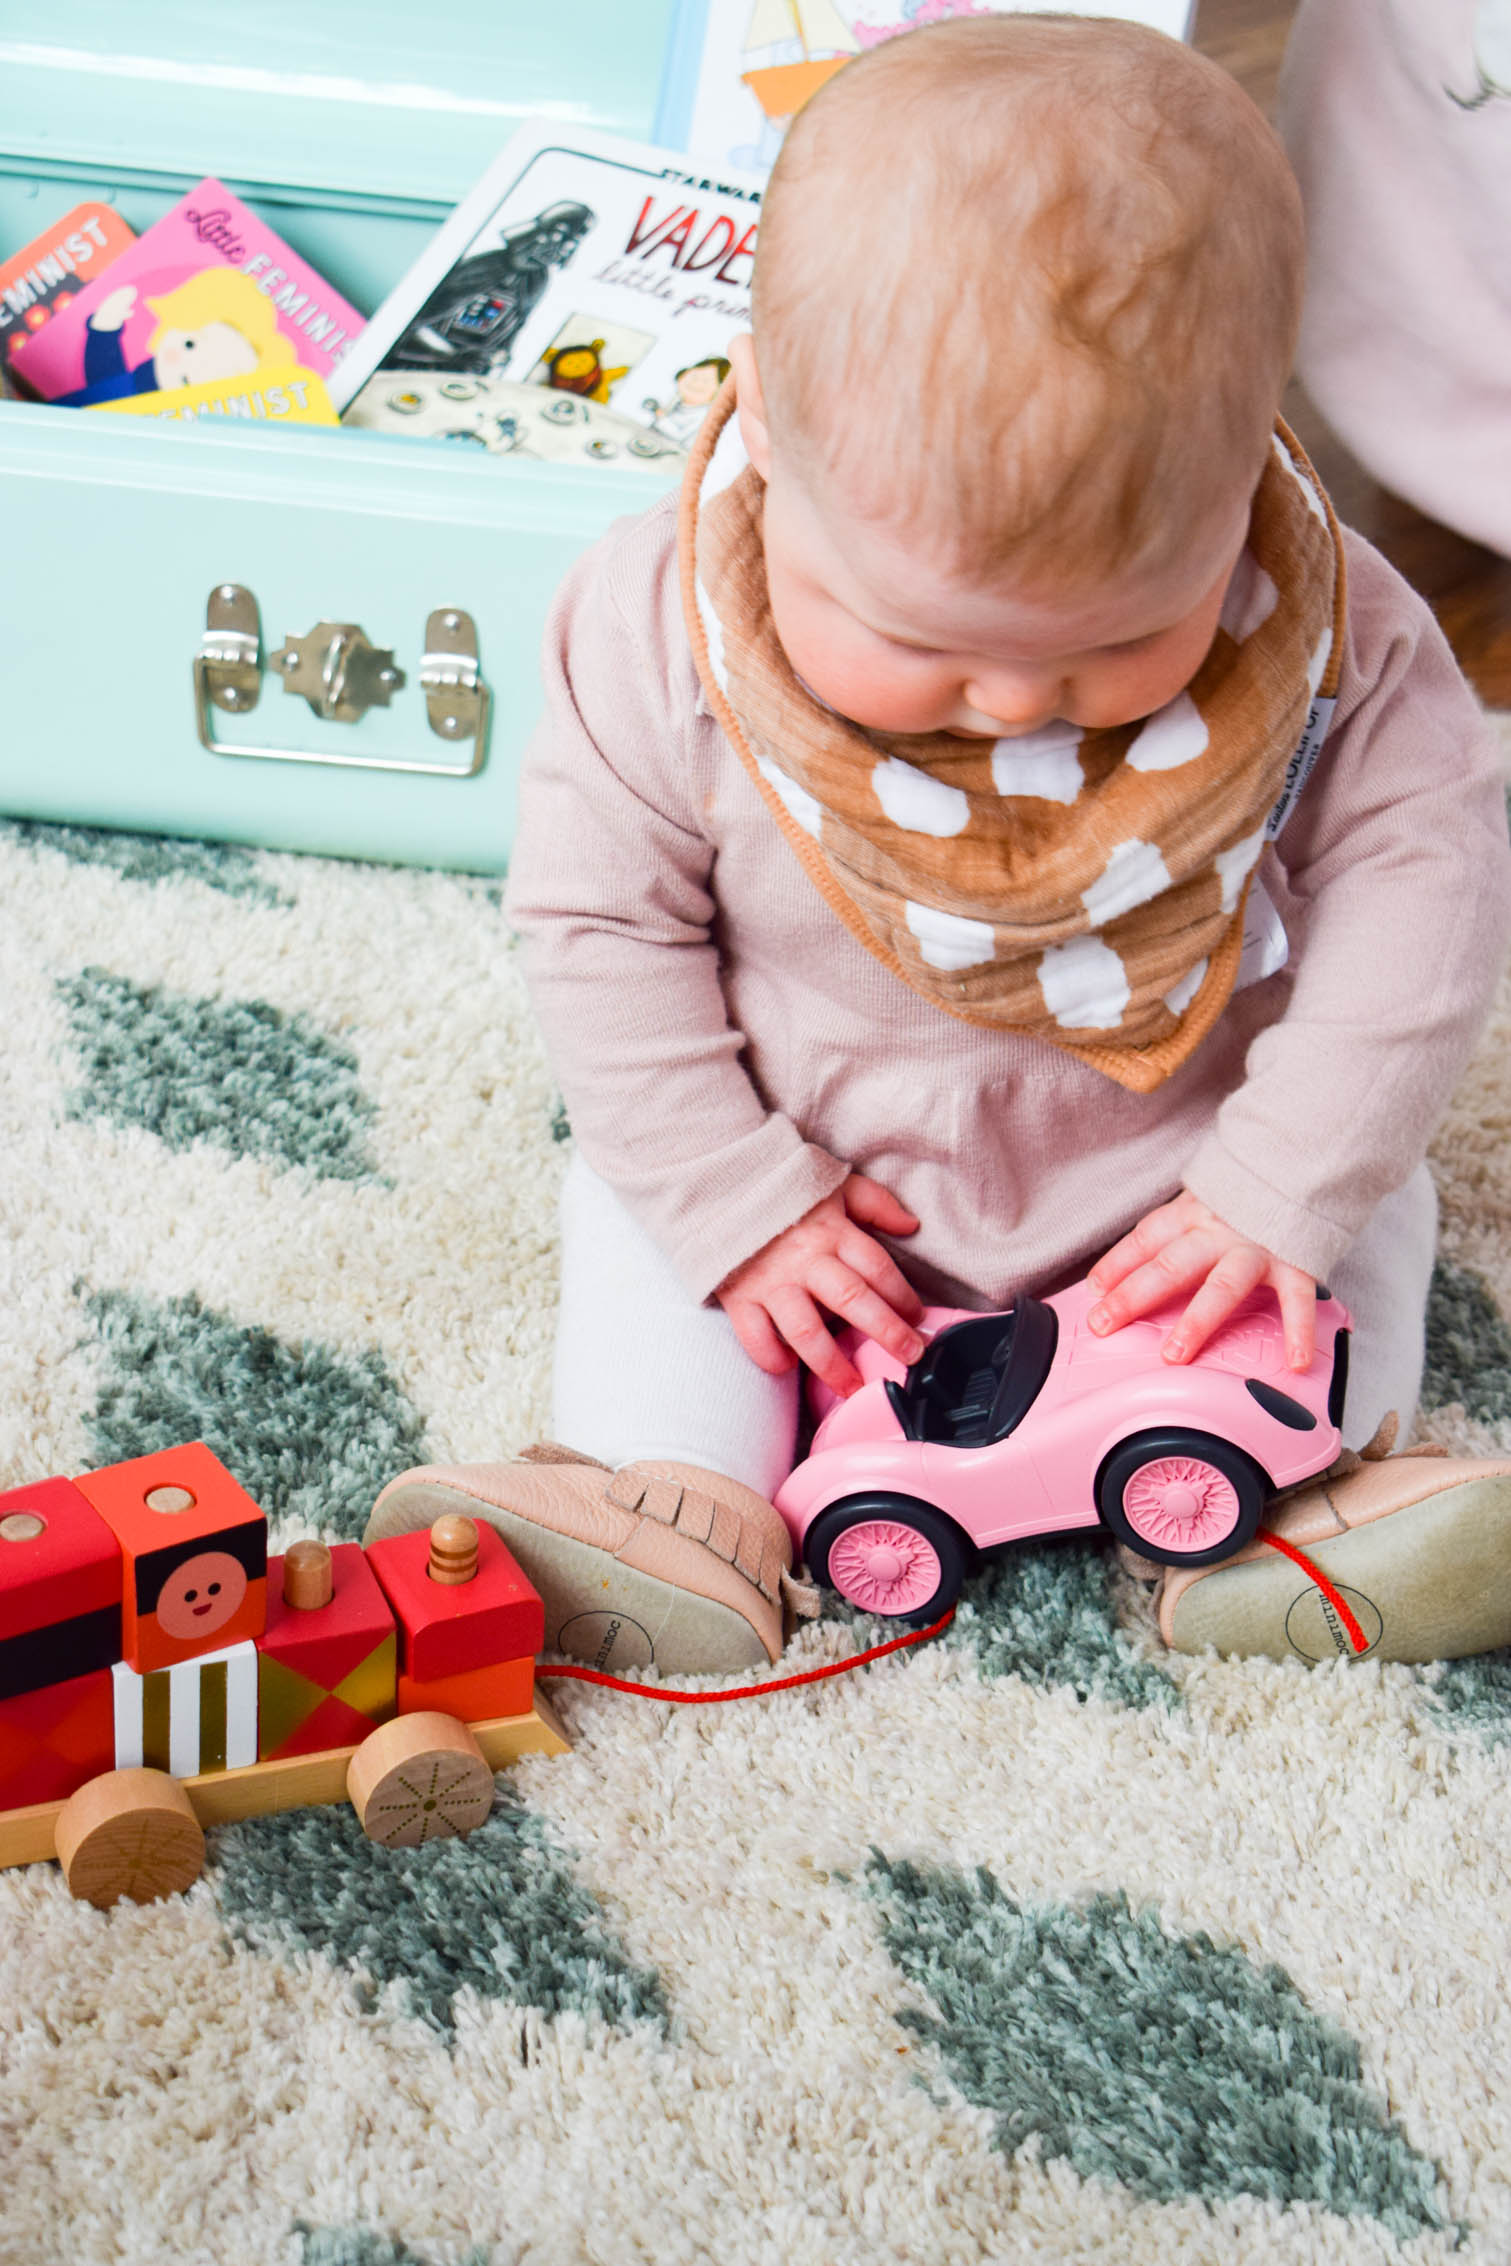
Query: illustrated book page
<point x="737" y="71"/>
<point x="208" y="292"/>
<point x="580" y="300"/>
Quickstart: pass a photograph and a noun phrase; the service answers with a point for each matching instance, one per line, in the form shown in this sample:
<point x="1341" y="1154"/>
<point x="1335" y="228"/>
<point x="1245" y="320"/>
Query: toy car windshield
<point x="978" y="1379"/>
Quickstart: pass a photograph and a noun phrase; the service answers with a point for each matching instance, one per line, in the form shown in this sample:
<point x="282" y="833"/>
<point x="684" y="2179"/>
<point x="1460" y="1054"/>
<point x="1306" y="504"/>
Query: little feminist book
<point x="208" y="293"/>
<point x="298" y="399"/>
<point x="607" y="273"/>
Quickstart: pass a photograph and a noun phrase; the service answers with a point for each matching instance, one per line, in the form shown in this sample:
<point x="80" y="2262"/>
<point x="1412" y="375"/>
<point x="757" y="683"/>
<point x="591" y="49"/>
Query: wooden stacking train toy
<point x="159" y="1672"/>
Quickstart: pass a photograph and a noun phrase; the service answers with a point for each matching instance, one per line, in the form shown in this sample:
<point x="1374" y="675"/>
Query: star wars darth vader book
<point x="578" y="303"/>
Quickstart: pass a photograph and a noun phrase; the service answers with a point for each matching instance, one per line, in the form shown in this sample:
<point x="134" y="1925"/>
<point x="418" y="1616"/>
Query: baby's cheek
<point x="869" y="689"/>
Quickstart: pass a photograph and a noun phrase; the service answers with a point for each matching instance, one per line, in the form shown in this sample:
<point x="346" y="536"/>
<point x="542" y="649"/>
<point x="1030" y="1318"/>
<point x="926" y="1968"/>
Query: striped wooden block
<point x="196" y="1716"/>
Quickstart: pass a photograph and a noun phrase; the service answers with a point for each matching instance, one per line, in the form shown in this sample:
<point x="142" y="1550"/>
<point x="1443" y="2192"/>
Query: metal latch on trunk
<point x="342" y="675"/>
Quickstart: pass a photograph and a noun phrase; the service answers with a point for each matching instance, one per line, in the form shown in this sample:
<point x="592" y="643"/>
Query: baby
<point x="993" y="825"/>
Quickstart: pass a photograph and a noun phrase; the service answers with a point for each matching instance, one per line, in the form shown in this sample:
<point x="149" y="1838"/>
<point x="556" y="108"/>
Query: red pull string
<point x="755" y="1691"/>
<point x="1356" y="1636"/>
<point x="577" y="1675"/>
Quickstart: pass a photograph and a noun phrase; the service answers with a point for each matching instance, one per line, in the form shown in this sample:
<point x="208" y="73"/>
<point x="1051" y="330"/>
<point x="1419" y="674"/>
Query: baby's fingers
<point x="1173" y="1269"/>
<point x="875" y="1264"/>
<point x="1225" y="1288"/>
<point x="1297" y="1294"/>
<point x="754" y="1328"/>
<point x="847" y="1295"/>
<point x="1154" y="1232"/>
<point x="874" y="1206"/>
<point x="800" y="1324"/>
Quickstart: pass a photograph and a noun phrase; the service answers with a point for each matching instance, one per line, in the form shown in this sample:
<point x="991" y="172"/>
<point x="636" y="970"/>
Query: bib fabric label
<point x="1297" y="772"/>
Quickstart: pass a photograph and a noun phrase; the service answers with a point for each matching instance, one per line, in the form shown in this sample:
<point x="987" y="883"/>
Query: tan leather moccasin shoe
<point x="1403" y="1557"/>
<point x="656" y="1564"/>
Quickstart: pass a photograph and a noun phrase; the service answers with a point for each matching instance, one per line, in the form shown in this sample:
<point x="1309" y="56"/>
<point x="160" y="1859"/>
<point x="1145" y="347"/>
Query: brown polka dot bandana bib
<point x="1083" y="887"/>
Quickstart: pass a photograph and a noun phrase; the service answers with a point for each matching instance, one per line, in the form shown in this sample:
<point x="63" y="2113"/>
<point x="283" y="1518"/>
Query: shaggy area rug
<point x="1032" y="1943"/>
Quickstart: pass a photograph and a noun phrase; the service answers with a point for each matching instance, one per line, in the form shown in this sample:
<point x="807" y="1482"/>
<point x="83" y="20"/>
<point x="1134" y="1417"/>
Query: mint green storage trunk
<point x="352" y="130"/>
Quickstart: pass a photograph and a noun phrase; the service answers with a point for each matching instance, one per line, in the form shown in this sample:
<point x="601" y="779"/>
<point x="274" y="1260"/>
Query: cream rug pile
<point x="1029" y="1944"/>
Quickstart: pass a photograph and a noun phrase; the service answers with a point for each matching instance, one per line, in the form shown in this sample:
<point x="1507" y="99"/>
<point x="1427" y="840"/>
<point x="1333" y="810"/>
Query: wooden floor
<point x="1468" y="588"/>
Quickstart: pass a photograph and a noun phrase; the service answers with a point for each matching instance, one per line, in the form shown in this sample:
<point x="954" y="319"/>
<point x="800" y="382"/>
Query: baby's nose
<point x="1018" y="699"/>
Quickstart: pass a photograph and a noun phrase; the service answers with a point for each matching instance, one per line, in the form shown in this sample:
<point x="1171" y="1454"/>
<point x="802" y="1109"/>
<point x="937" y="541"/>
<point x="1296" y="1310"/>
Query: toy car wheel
<point x="1183" y="1498"/>
<point x="889" y="1554"/>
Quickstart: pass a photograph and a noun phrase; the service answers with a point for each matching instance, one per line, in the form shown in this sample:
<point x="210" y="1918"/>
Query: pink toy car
<point x="1024" y="1423"/>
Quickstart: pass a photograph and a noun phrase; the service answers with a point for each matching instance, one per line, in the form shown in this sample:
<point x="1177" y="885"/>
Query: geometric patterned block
<point x="199" y="1715"/>
<point x="445" y="1628"/>
<point x="504" y="1687"/>
<point x="53" y="1741"/>
<point x="196" y="1552"/>
<point x="325" y="1674"/>
<point x="60" y="1587"/>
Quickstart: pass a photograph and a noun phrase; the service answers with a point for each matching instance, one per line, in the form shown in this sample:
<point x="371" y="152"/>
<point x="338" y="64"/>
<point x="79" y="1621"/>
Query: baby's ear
<point x="750" y="403"/>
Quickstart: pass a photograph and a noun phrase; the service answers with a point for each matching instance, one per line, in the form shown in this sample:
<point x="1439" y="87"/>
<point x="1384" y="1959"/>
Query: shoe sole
<point x="1431" y="1581"/>
<point x="598" y="1610"/>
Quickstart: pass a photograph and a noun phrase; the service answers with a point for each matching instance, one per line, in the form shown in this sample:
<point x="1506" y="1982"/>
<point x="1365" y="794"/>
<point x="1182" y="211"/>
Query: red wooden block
<point x="196" y="1552"/>
<point x="325" y="1673"/>
<point x="506" y="1687"/>
<point x="446" y="1628"/>
<point x="53" y="1741"/>
<point x="60" y="1587"/>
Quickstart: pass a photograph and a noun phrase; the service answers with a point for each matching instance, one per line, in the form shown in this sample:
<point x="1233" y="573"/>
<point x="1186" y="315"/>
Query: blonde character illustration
<point x="217" y="324"/>
<point x="1492" y="54"/>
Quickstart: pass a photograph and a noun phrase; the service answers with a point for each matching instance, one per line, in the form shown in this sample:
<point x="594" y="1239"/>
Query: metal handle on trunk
<point x="341" y="675"/>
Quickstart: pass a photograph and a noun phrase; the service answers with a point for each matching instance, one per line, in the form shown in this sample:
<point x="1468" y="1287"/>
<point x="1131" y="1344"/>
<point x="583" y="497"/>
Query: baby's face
<point x="898" y="645"/>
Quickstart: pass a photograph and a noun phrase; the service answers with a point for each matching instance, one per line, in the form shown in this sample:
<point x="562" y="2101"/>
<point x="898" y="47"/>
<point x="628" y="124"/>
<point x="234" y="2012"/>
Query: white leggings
<point x="643" y="1370"/>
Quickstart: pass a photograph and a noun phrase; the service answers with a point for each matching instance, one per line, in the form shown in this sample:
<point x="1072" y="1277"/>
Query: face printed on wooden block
<point x="195" y="1592"/>
<point x="195" y="1551"/>
<point x="199" y="1597"/>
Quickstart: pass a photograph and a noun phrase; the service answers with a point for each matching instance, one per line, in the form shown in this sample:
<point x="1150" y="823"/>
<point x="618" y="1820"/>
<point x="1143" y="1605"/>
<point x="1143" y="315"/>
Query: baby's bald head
<point x="1028" y="288"/>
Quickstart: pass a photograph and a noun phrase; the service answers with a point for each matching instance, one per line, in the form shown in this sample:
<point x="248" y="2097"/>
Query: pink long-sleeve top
<point x="728" y="1051"/>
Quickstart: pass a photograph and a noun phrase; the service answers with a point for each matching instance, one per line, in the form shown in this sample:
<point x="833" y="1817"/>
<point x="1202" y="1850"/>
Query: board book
<point x="608" y="273"/>
<point x="48" y="274"/>
<point x="295" y="398"/>
<point x="207" y="293"/>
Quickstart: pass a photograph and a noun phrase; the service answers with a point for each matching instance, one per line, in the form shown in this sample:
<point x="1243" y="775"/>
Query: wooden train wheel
<point x="419" y="1778"/>
<point x="129" y="1833"/>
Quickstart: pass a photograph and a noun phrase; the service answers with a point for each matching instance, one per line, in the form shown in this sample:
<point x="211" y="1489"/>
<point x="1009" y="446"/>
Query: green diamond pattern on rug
<point x="1468" y="1346"/>
<point x="499" y="1913"/>
<point x="1473" y="1694"/>
<point x="1046" y="1614"/>
<point x="1171" y="2064"/>
<point x="225" y="866"/>
<point x="354" y="2246"/>
<point x="239" y="1073"/>
<point x="312" y="1434"/>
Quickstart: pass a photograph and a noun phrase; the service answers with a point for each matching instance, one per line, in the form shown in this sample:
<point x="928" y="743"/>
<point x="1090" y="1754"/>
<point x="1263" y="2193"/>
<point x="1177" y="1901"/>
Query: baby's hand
<point x="824" y="1261"/>
<point x="1180" y="1246"/>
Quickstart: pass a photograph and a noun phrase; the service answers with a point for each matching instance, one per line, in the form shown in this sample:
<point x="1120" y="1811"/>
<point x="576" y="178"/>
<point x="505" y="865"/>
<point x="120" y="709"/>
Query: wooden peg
<point x="169" y="1501"/>
<point x="129" y="1833"/>
<point x="308" y="1577"/>
<point x="419" y="1778"/>
<point x="453" y="1548"/>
